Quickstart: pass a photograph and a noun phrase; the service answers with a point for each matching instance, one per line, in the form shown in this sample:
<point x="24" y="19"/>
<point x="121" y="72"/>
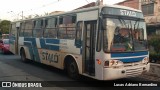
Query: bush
<point x="154" y="57"/>
<point x="155" y="43"/>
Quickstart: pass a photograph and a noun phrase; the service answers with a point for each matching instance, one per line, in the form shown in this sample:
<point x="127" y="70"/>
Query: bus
<point x="5" y="36"/>
<point x="105" y="42"/>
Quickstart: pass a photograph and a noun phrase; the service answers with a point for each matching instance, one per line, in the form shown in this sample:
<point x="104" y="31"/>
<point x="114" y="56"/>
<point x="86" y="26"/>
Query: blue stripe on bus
<point x="50" y="47"/>
<point x="33" y="40"/>
<point x="53" y="41"/>
<point x="128" y="60"/>
<point x="31" y="43"/>
<point x="33" y="50"/>
<point x="36" y="55"/>
<point x="42" y="42"/>
<point x="130" y="54"/>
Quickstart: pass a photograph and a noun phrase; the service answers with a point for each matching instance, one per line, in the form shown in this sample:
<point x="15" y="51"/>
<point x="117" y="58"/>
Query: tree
<point x="4" y="26"/>
<point x="155" y="42"/>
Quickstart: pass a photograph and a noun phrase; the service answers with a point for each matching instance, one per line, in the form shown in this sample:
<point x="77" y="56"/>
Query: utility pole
<point x="22" y="15"/>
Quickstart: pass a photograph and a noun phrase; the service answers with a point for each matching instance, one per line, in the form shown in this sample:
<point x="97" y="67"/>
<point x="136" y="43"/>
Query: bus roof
<point x="124" y="7"/>
<point x="84" y="9"/>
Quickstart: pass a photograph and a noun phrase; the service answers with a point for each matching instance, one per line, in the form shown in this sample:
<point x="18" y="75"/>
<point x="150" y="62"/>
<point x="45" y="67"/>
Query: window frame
<point x="67" y="22"/>
<point x="38" y="28"/>
<point x="146" y="9"/>
<point x="53" y="28"/>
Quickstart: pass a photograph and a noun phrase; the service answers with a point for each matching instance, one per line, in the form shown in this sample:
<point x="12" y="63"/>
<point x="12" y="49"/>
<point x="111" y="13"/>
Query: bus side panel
<point x="68" y="48"/>
<point x="54" y="51"/>
<point x="50" y="51"/>
<point x="26" y="49"/>
<point x="86" y="16"/>
<point x="99" y="67"/>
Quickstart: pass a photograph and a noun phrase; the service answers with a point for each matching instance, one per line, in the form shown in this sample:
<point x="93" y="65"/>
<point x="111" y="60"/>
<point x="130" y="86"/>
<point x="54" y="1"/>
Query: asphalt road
<point x="13" y="69"/>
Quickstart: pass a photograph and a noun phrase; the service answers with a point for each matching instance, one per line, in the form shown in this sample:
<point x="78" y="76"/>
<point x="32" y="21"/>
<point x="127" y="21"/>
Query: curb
<point x="153" y="74"/>
<point x="154" y="69"/>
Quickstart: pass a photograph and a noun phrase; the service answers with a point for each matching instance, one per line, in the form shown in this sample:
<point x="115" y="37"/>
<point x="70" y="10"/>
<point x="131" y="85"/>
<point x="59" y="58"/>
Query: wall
<point x="130" y="3"/>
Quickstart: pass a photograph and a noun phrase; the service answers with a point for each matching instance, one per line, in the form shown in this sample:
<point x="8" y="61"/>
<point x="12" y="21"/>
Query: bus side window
<point x="38" y="28"/>
<point x="50" y="28"/>
<point x="78" y="41"/>
<point x="34" y="28"/>
<point x="67" y="27"/>
<point x="60" y="27"/>
<point x="28" y="29"/>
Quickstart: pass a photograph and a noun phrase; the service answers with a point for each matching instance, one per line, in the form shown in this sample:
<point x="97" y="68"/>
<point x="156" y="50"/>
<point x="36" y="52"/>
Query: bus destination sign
<point x="122" y="12"/>
<point x="128" y="13"/>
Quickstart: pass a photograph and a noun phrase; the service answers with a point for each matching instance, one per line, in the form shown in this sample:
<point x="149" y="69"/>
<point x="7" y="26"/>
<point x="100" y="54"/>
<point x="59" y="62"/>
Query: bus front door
<point x="89" y="46"/>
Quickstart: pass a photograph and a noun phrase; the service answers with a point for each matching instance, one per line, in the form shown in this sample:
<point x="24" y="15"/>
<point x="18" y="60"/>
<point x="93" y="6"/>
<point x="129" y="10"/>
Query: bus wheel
<point x="23" y="56"/>
<point x="72" y="70"/>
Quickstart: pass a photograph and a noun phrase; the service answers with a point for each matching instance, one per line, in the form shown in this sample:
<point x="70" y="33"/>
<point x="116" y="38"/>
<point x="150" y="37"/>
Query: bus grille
<point x="134" y="72"/>
<point x="132" y="64"/>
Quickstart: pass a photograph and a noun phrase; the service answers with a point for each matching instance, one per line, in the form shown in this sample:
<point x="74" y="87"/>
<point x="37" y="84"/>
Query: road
<point x="13" y="69"/>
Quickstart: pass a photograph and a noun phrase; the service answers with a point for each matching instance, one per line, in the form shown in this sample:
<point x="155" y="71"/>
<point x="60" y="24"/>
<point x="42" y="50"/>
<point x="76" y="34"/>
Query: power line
<point x="33" y="9"/>
<point x="87" y="1"/>
<point x="46" y="5"/>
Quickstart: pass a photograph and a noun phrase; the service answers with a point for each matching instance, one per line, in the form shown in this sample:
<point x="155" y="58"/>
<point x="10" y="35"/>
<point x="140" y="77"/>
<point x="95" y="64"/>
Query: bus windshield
<point x="123" y="35"/>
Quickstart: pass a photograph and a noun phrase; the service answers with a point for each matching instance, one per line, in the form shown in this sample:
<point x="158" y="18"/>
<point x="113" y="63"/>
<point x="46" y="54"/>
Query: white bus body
<point x="76" y="41"/>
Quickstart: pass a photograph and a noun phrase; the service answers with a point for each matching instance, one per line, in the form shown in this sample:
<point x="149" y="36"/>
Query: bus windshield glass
<point x="124" y="35"/>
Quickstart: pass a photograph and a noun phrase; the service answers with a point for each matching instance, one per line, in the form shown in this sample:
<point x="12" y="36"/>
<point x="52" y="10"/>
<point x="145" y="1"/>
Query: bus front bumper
<point x="117" y="73"/>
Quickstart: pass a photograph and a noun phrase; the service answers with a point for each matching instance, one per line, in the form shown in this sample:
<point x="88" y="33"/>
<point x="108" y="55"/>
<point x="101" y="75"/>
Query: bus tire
<point x="23" y="56"/>
<point x="72" y="69"/>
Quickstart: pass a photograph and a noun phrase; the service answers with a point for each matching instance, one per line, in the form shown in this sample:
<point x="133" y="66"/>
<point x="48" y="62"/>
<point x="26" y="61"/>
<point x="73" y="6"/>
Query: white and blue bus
<point x="101" y="42"/>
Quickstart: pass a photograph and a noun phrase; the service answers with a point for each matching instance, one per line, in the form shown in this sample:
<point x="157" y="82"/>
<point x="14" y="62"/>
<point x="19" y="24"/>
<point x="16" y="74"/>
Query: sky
<point x="12" y="9"/>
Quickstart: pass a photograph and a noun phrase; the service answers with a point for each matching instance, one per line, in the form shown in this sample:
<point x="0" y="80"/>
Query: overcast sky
<point x="11" y="9"/>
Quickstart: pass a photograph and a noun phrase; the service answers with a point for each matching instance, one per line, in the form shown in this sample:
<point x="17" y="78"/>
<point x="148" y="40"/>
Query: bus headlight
<point x="113" y="63"/>
<point x="145" y="60"/>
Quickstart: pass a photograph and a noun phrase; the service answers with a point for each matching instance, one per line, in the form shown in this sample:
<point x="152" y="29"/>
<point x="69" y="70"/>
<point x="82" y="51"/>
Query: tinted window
<point x="28" y="28"/>
<point x="67" y="27"/>
<point x="50" y="28"/>
<point x="38" y="28"/>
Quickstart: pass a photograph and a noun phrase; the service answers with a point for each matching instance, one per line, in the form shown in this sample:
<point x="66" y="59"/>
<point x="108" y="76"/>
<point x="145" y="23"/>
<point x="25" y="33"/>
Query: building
<point x="88" y="5"/>
<point x="56" y="12"/>
<point x="92" y="4"/>
<point x="130" y="3"/>
<point x="151" y="11"/>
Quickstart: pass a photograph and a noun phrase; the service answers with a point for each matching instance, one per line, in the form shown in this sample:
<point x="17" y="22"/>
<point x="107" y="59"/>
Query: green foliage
<point x="155" y="43"/>
<point x="154" y="56"/>
<point x="4" y="26"/>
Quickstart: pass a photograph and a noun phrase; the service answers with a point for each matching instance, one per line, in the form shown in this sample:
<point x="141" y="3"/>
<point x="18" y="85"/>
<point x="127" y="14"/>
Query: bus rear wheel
<point x="23" y="56"/>
<point x="72" y="70"/>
